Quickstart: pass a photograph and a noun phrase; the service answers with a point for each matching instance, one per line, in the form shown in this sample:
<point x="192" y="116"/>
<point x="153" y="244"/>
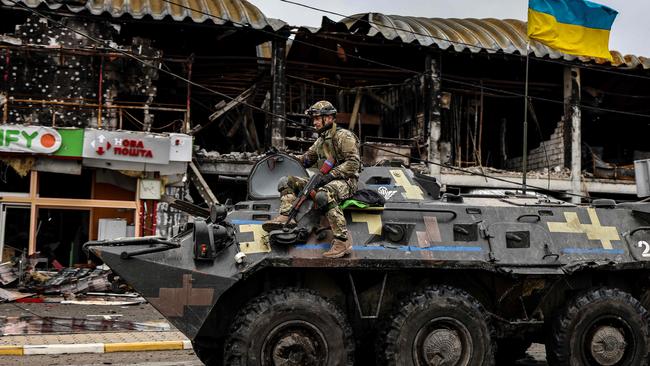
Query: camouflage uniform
<point x="341" y="146"/>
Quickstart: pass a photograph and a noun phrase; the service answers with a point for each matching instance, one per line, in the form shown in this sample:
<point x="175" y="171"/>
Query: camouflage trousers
<point x="337" y="191"/>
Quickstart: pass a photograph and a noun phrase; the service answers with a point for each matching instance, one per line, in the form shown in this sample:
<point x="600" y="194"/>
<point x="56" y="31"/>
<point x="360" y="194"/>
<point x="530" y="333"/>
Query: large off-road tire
<point x="441" y="325"/>
<point x="290" y="327"/>
<point x="600" y="327"/>
<point x="511" y="350"/>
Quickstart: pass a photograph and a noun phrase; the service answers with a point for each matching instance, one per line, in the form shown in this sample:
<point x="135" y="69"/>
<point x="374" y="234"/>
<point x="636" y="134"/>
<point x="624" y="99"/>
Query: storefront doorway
<point x="60" y="235"/>
<point x="14" y="230"/>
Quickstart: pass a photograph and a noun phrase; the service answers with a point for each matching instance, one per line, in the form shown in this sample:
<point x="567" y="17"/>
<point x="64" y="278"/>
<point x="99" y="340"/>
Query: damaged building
<point x="98" y="102"/>
<point x="108" y="108"/>
<point x="451" y="91"/>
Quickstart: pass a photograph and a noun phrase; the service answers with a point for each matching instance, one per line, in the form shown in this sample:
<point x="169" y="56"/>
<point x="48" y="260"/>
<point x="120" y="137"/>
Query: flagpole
<point x="525" y="153"/>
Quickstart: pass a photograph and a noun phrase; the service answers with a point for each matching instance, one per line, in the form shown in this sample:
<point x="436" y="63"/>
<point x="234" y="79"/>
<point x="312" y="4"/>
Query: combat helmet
<point x="321" y="108"/>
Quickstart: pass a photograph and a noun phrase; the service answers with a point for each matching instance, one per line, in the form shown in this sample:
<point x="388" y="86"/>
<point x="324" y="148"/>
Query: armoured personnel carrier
<point x="432" y="280"/>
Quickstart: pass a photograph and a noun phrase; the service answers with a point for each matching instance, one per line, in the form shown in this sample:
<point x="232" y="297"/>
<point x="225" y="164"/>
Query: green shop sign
<point x="72" y="141"/>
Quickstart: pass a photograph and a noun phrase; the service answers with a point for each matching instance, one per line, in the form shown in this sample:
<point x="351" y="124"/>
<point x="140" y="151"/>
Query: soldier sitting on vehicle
<point x="336" y="154"/>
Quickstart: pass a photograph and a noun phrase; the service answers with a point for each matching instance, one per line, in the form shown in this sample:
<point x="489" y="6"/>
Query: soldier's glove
<point x="305" y="162"/>
<point x="325" y="179"/>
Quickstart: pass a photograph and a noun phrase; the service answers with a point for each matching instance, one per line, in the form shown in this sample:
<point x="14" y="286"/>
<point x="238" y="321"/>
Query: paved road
<point x="158" y="358"/>
<point x="168" y="358"/>
<point x="140" y="313"/>
<point x="137" y="313"/>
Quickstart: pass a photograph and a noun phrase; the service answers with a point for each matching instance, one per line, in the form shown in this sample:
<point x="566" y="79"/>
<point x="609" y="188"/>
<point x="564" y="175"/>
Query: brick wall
<point x="555" y="150"/>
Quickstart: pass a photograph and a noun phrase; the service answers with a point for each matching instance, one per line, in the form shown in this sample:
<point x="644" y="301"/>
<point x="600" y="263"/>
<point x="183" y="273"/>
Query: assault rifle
<point x="306" y="192"/>
<point x="311" y="185"/>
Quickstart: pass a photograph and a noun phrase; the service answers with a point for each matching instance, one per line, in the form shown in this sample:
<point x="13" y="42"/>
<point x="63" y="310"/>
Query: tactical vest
<point x="326" y="148"/>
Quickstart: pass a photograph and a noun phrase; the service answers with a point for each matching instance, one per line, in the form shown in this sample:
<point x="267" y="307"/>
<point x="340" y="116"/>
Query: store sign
<point x="72" y="140"/>
<point x="29" y="139"/>
<point x="126" y="146"/>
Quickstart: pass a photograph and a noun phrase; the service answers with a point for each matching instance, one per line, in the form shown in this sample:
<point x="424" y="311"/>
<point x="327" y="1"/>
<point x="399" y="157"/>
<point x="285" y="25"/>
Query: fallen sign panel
<point x="7" y="273"/>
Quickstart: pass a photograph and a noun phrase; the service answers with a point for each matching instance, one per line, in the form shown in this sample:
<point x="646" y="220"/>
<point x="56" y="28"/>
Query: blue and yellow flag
<point x="576" y="27"/>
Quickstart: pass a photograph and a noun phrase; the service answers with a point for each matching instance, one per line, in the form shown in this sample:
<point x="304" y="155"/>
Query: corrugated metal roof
<point x="475" y="35"/>
<point x="221" y="11"/>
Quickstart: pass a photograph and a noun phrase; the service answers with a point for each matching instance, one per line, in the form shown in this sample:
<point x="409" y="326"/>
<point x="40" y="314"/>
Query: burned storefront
<point x="99" y="102"/>
<point x="452" y="91"/>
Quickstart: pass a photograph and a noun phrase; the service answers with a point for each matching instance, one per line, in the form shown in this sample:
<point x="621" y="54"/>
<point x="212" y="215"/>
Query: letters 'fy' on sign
<point x="29" y="139"/>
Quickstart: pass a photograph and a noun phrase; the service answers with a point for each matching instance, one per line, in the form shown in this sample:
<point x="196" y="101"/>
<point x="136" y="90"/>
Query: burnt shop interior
<point x="62" y="226"/>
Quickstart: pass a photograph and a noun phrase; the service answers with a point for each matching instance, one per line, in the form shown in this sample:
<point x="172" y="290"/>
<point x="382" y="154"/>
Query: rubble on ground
<point x="420" y="168"/>
<point x="203" y="154"/>
<point x="69" y="280"/>
<point x="8" y="273"/>
<point x="557" y="172"/>
<point x="75" y="285"/>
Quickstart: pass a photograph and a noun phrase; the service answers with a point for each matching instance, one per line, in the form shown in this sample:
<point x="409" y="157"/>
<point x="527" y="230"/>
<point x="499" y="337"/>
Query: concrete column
<point x="573" y="123"/>
<point x="432" y="114"/>
<point x="278" y="92"/>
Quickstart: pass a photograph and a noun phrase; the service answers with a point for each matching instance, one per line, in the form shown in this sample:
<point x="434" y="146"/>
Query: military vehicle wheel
<point x="440" y="326"/>
<point x="290" y="327"/>
<point x="600" y="327"/>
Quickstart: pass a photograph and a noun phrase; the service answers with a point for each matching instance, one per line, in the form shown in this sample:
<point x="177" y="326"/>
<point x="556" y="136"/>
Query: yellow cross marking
<point x="372" y="220"/>
<point x="594" y="230"/>
<point x="260" y="240"/>
<point x="411" y="191"/>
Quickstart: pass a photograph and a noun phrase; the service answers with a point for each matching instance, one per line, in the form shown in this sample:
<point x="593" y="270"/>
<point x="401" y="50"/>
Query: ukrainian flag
<point x="576" y="27"/>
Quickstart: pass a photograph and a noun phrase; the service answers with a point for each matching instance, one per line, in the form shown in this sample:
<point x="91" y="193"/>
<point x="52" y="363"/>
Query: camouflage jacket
<point x="343" y="146"/>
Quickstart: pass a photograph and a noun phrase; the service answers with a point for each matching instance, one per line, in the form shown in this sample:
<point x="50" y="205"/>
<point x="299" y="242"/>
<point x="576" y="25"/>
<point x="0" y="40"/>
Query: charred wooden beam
<point x="573" y="122"/>
<point x="432" y="113"/>
<point x="252" y="130"/>
<point x="355" y="110"/>
<point x="278" y="92"/>
<point x="379" y="99"/>
<point x="224" y="108"/>
<point x="201" y="185"/>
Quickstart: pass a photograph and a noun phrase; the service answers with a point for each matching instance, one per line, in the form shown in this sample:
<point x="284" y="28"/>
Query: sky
<point x="628" y="34"/>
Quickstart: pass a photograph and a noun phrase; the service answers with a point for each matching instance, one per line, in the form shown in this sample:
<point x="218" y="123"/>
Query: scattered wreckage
<point x="444" y="280"/>
<point x="22" y="281"/>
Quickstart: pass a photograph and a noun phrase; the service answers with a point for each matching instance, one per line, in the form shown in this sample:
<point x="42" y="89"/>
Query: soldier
<point x="336" y="154"/>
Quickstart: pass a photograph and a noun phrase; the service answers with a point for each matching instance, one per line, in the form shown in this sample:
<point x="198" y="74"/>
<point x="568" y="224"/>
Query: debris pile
<point x="8" y="273"/>
<point x="202" y="154"/>
<point x="69" y="281"/>
<point x="377" y="153"/>
<point x="557" y="172"/>
<point x="420" y="168"/>
<point x="608" y="170"/>
<point x="21" y="281"/>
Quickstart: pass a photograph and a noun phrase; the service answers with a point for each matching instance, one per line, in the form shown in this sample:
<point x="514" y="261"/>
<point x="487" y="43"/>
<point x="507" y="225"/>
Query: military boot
<point x="278" y="223"/>
<point x="340" y="248"/>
